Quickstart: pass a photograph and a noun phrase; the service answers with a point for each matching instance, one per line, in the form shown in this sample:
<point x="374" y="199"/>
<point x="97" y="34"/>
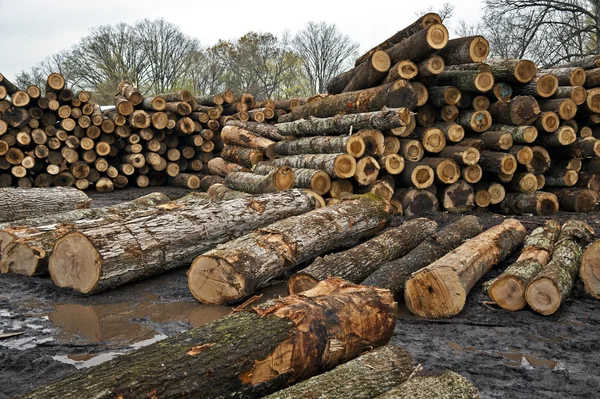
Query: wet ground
<point x="505" y="354"/>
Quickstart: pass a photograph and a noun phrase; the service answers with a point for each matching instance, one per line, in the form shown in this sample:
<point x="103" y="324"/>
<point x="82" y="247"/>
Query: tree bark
<point x="279" y="179"/>
<point x="497" y="162"/>
<point x="109" y="253"/>
<point x="243" y="156"/>
<point x="353" y="145"/>
<point x="420" y="45"/>
<point x="231" y="357"/>
<point x="417" y="175"/>
<point x="521" y="110"/>
<point x="385" y="119"/>
<point x="442" y="386"/>
<point x="404" y="69"/>
<point x="558" y="177"/>
<point x="262" y="129"/>
<point x="538" y="203"/>
<point x="221" y="167"/>
<point x="467" y="80"/>
<point x="580" y="200"/>
<point x="8" y="85"/>
<point x="441" y="289"/>
<point x="520" y="134"/>
<point x="542" y="86"/>
<point x="314" y="179"/>
<point x="32" y="202"/>
<point x="512" y="70"/>
<point x="523" y="182"/>
<point x="553" y="284"/>
<point x="370" y="72"/>
<point x="253" y="260"/>
<point x="465" y="50"/>
<point x="548" y="122"/>
<point x="342" y="166"/>
<point x="233" y="135"/>
<point x="508" y="289"/>
<point x="357" y="263"/>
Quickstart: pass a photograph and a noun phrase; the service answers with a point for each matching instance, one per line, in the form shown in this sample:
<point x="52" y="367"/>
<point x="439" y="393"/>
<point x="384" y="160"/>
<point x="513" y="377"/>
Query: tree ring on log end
<point x="16" y="257"/>
<point x="380" y="61"/>
<point x="578" y="77"/>
<point x="484" y="81"/>
<point x="568" y="109"/>
<point x="56" y="81"/>
<point x="456" y="133"/>
<point x="590" y="269"/>
<point x="394" y="164"/>
<point x="547" y="85"/>
<point x="301" y="282"/>
<point x="528" y="183"/>
<point x="482" y="198"/>
<point x="509" y="164"/>
<point x="571" y="178"/>
<point x="497" y="192"/>
<point x="481" y="121"/>
<point x="547" y="204"/>
<point x="436" y="65"/>
<point x="541" y="180"/>
<point x="435" y="294"/>
<point x="355" y="146"/>
<point x="525" y="71"/>
<point x="214" y="281"/>
<point x="578" y="95"/>
<point x="345" y="166"/>
<point x="320" y="182"/>
<point x="434" y="140"/>
<point x="508" y="292"/>
<point x="479" y="49"/>
<point x="437" y="36"/>
<point x="472" y="173"/>
<point x="75" y="263"/>
<point x="422" y="176"/>
<point x="543" y="296"/>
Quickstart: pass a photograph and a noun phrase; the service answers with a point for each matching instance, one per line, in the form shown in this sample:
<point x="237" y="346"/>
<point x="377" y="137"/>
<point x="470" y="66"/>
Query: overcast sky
<point x="35" y="29"/>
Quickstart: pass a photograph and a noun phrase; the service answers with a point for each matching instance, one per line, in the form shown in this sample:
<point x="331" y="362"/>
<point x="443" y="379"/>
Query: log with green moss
<point x="234" y="270"/>
<point x="230" y="357"/>
<point x="335" y="165"/>
<point x="508" y="289"/>
<point x="357" y="263"/>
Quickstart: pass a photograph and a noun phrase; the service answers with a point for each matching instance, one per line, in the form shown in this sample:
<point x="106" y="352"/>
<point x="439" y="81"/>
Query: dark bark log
<point x="548" y="122"/>
<point x="417" y="175"/>
<point x="236" y="136"/>
<point x="420" y="45"/>
<point x="587" y="62"/>
<point x="359" y="262"/>
<point x="541" y="161"/>
<point x="575" y="93"/>
<point x="501" y="92"/>
<point x="441" y="96"/>
<point x="431" y="66"/>
<point x="446" y="170"/>
<point x="242" y="156"/>
<point x="353" y="145"/>
<point x="564" y="107"/>
<point x="497" y="162"/>
<point x="253" y="260"/>
<point x="441" y="289"/>
<point x="580" y="200"/>
<point x="464" y="155"/>
<point x="404" y="69"/>
<point x="393" y="275"/>
<point x="542" y="86"/>
<point x="496" y="140"/>
<point x="417" y="202"/>
<point x="475" y="121"/>
<point x="432" y="139"/>
<point x="521" y="110"/>
<point x="556" y="177"/>
<point x="8" y="85"/>
<point x="512" y="70"/>
<point x="538" y="203"/>
<point x="465" y="50"/>
<point x="467" y="80"/>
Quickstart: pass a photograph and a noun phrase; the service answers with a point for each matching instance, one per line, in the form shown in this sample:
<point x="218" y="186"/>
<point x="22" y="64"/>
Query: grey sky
<point x="35" y="29"/>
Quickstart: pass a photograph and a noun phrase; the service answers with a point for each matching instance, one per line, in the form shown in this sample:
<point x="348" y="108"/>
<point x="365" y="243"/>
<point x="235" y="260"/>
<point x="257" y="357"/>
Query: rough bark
<point x="404" y="69"/>
<point x="420" y="45"/>
<point x="575" y="93"/>
<point x="256" y="258"/>
<point x="417" y="175"/>
<point x="447" y="385"/>
<point x="220" y="167"/>
<point x="520" y="134"/>
<point x="108" y="253"/>
<point x="230" y="357"/>
<point x="523" y="182"/>
<point x="554" y="283"/>
<point x="341" y="166"/>
<point x="539" y="203"/>
<point x="441" y="289"/>
<point x="34" y="201"/>
<point x="357" y="263"/>
<point x="512" y="70"/>
<point x="521" y="110"/>
<point x="558" y="177"/>
<point x="467" y="80"/>
<point x="385" y="119"/>
<point x="370" y="72"/>
<point x="497" y="162"/>
<point x="475" y="121"/>
<point x="243" y="156"/>
<point x="353" y="145"/>
<point x="262" y="129"/>
<point x="279" y="179"/>
<point x="393" y="275"/>
<point x="580" y="200"/>
<point x="592" y="102"/>
<point x="542" y="86"/>
<point x="452" y="131"/>
<point x="465" y="50"/>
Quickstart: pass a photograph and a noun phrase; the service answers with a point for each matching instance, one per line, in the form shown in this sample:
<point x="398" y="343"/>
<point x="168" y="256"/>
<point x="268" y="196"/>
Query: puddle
<point x="455" y="346"/>
<point x="517" y="359"/>
<point x="87" y="360"/>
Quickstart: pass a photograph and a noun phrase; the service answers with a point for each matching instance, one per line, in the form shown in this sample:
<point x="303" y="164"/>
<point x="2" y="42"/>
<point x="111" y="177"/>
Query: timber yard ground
<point x="505" y="354"/>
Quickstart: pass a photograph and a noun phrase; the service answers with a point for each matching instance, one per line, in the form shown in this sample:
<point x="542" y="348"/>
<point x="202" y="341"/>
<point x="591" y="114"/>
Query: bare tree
<point x="38" y="74"/>
<point x="445" y="11"/>
<point x="325" y="53"/>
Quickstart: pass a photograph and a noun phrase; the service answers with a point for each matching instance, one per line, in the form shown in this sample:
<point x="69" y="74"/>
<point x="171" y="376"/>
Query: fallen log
<point x="357" y="263"/>
<point x="342" y="166"/>
<point x="370" y="72"/>
<point x="262" y="129"/>
<point x="353" y="145"/>
<point x="538" y="203"/>
<point x="39" y="201"/>
<point x="256" y="258"/>
<point x="221" y="192"/>
<point x="393" y="275"/>
<point x="440" y="289"/>
<point x="279" y="179"/>
<point x="580" y="200"/>
<point x="441" y="386"/>
<point x="465" y="50"/>
<point x="508" y="289"/>
<point x="365" y="377"/>
<point x="553" y="284"/>
<point x="236" y="136"/>
<point x="316" y="180"/>
<point x="109" y="253"/>
<point x="242" y="156"/>
<point x="231" y="357"/>
<point x="512" y="70"/>
<point x="420" y="45"/>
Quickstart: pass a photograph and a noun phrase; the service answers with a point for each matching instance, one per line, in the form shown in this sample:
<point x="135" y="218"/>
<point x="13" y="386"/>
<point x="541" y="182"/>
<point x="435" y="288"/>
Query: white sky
<point x="35" y="29"/>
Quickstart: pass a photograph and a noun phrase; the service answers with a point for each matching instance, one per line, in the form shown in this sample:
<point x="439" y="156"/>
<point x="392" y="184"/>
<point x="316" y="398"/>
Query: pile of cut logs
<point x="427" y="122"/>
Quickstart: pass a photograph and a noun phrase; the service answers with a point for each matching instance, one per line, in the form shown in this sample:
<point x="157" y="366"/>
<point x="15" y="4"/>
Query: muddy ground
<point x="505" y="354"/>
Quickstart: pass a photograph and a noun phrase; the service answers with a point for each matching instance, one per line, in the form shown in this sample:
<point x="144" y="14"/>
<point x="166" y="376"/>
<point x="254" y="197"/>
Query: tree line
<point x="157" y="57"/>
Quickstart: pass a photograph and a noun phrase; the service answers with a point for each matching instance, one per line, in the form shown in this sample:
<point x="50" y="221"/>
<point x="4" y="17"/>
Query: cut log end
<point x="578" y="77"/>
<point x="367" y="170"/>
<point x="472" y="173"/>
<point x="437" y="36"/>
<point x="393" y="164"/>
<point x="300" y="282"/>
<point x="455" y="133"/>
<point x="345" y="166"/>
<point x="381" y="61"/>
<point x="214" y="281"/>
<point x="56" y="81"/>
<point x="547" y="85"/>
<point x="525" y="71"/>
<point x="18" y="258"/>
<point x="547" y="204"/>
<point x="543" y="296"/>
<point x="355" y="146"/>
<point x="484" y="81"/>
<point x="481" y="121"/>
<point x="320" y="182"/>
<point x="482" y="198"/>
<point x="422" y="176"/>
<point x="497" y="193"/>
<point x="434" y="140"/>
<point x="589" y="270"/>
<point x="436" y="293"/>
<point x="528" y="183"/>
<point x="508" y="292"/>
<point x="479" y="49"/>
<point x="81" y="272"/>
<point x="508" y="164"/>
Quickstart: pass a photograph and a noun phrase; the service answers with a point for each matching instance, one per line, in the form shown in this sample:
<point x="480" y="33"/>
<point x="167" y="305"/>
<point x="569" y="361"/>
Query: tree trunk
<point x="465" y="50"/>
<point x="420" y="45"/>
<point x="524" y="182"/>
<point x="512" y="70"/>
<point x="538" y="203"/>
<point x="508" y="289"/>
<point x="262" y="129"/>
<point x="404" y="69"/>
<point x="497" y="162"/>
<point x="442" y="386"/>
<point x="554" y="283"/>
<point x="440" y="289"/>
<point x="341" y="166"/>
<point x="34" y="201"/>
<point x="475" y="121"/>
<point x="542" y="86"/>
<point x="353" y="145"/>
<point x="580" y="200"/>
<point x="393" y="95"/>
<point x="520" y="134"/>
<point x="577" y="94"/>
<point x="393" y="275"/>
<point x="386" y="119"/>
<point x="255" y="259"/>
<point x="556" y="177"/>
<point x="423" y="22"/>
<point x="317" y="180"/>
<point x="365" y="377"/>
<point x="110" y="253"/>
<point x="521" y="110"/>
<point x="458" y="197"/>
<point x="26" y="244"/>
<point x="243" y="156"/>
<point x="236" y="136"/>
<point x="221" y="167"/>
<point x="497" y="141"/>
<point x="466" y="80"/>
<point x="548" y="122"/>
<point x="279" y="179"/>
<point x="370" y="72"/>
<point x="463" y="155"/>
<point x="231" y="357"/>
<point x="357" y="263"/>
<point x="417" y="175"/>
<point x="185" y="180"/>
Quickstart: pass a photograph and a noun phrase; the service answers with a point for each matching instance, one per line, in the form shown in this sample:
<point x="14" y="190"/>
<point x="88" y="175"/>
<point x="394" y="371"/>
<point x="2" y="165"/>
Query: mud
<point x="505" y="354"/>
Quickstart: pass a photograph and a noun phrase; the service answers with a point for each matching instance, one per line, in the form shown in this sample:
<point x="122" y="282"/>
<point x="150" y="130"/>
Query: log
<point x="467" y="80"/>
<point x="404" y="69"/>
<point x="542" y="86"/>
<point x="553" y="284"/>
<point x="577" y="94"/>
<point x="243" y="156"/>
<point x="520" y="134"/>
<point x="441" y="386"/>
<point x="255" y="259"/>
<point x="282" y="178"/>
<point x="417" y="175"/>
<point x="472" y="173"/>
<point x="521" y="110"/>
<point x="501" y="91"/>
<point x="449" y="113"/>
<point x="441" y="289"/>
<point x="393" y="275"/>
<point x="221" y="167"/>
<point x="220" y="192"/>
<point x="423" y="22"/>
<point x="370" y="72"/>
<point x="524" y="182"/>
<point x="365" y="377"/>
<point x="420" y="45"/>
<point x="316" y="180"/>
<point x="512" y="70"/>
<point x="8" y="85"/>
<point x="386" y="119"/>
<point x="441" y="96"/>
<point x="548" y="122"/>
<point x="26" y="244"/>
<point x="446" y="170"/>
<point x="541" y="160"/>
<point x="569" y="76"/>
<point x="458" y="197"/>
<point x="465" y="50"/>
<point x="397" y="94"/>
<point x="367" y="170"/>
<point x="481" y="103"/>
<point x="236" y="136"/>
<point x="497" y="141"/>
<point x="353" y="145"/>
<point x="230" y="357"/>
<point x="589" y="270"/>
<point x="539" y="203"/>
<point x="392" y="164"/>
<point x="497" y="162"/>
<point x="508" y="289"/>
<point x="558" y="177"/>
<point x="580" y="200"/>
<point x="339" y="187"/>
<point x="342" y="166"/>
<point x="107" y="253"/>
<point x="592" y="102"/>
<point x="565" y="108"/>
<point x="432" y="139"/>
<point x="357" y="263"/>
<point x="588" y="180"/>
<point x="34" y="202"/>
<point x="583" y="147"/>
<point x="452" y="131"/>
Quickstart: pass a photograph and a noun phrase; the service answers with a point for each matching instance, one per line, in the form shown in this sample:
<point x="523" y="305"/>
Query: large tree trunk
<point x="18" y="203"/>
<point x="386" y="119"/>
<point x="465" y="50"/>
<point x="341" y="166"/>
<point x="230" y="357"/>
<point x="317" y="180"/>
<point x="278" y="179"/>
<point x="447" y="385"/>
<point x="441" y="289"/>
<point x="554" y="283"/>
<point x="393" y="275"/>
<point x="103" y="254"/>
<point x="393" y="95"/>
<point x="420" y="45"/>
<point x="26" y="244"/>
<point x="538" y="203"/>
<point x="512" y="70"/>
<point x="521" y="110"/>
<point x="254" y="259"/>
<point x="590" y="269"/>
<point x="508" y="289"/>
<point x="370" y="72"/>
<point x="262" y="129"/>
<point x="357" y="263"/>
<point x="353" y="145"/>
<point x="580" y="200"/>
<point x="365" y="377"/>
